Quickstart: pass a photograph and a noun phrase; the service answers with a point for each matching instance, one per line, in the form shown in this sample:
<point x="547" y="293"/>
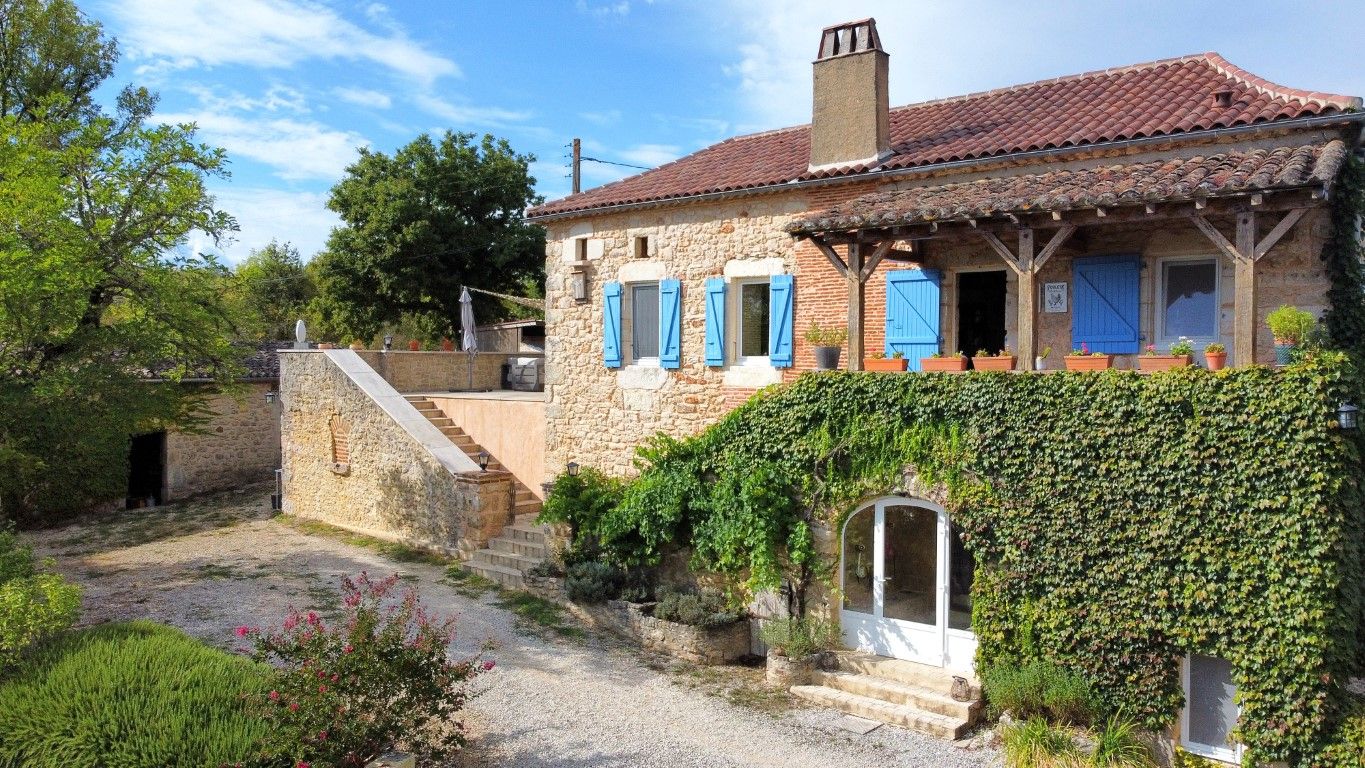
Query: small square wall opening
<point x="641" y="249"/>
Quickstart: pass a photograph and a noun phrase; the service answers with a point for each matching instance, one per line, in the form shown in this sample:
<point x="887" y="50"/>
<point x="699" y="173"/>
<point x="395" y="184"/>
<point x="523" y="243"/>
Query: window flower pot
<point x="953" y="364"/>
<point x="1152" y="363"/>
<point x="447" y="345"/>
<point x="884" y="364"/>
<point x="1216" y="361"/>
<point x="994" y="363"/>
<point x="826" y="358"/>
<point x="1089" y="362"/>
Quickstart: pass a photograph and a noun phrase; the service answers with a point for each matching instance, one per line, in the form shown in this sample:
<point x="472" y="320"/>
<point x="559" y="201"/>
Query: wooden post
<point x="1027" y="300"/>
<point x="1244" y="306"/>
<point x="577" y="165"/>
<point x="855" y="307"/>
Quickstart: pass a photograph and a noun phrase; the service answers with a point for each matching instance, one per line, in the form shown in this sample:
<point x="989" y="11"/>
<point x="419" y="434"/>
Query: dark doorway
<point x="980" y="311"/>
<point x="146" y="468"/>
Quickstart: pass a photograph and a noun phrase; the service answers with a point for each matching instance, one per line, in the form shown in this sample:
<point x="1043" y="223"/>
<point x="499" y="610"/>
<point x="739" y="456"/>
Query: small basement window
<point x="1211" y="710"/>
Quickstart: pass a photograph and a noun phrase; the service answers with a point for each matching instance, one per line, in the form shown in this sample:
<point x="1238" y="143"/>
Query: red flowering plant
<point x="379" y="679"/>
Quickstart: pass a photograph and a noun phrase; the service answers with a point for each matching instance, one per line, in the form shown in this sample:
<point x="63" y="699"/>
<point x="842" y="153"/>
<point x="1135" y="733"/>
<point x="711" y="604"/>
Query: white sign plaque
<point x="1054" y="297"/>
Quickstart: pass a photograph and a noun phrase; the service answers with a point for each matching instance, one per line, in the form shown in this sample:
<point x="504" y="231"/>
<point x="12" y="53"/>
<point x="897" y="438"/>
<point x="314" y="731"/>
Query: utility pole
<point x="577" y="161"/>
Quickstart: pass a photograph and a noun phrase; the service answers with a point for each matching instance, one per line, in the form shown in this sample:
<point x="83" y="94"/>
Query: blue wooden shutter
<point x="1104" y="307"/>
<point x="780" y="347"/>
<point x="670" y="324"/>
<point x="611" y="324"/>
<point x="912" y="314"/>
<point x="715" y="321"/>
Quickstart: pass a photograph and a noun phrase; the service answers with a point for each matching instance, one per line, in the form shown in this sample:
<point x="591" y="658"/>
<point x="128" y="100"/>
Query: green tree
<point x="418" y="225"/>
<point x="95" y="296"/>
<point x="52" y="58"/>
<point x="272" y="289"/>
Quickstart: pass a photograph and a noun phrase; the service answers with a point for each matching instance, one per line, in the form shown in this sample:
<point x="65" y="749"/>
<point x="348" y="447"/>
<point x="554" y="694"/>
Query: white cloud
<point x="176" y="34"/>
<point x="607" y="117"/>
<point x="363" y="97"/>
<point x="619" y="8"/>
<point x="650" y="155"/>
<point x="461" y="115"/>
<point x="264" y="214"/>
<point x="296" y="149"/>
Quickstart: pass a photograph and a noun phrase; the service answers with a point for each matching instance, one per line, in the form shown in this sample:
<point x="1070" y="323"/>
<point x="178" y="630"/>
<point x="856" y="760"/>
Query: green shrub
<point x="33" y="605"/>
<point x="1290" y="325"/>
<point x="1346" y="746"/>
<point x="593" y="582"/>
<point x="128" y="696"/>
<point x="1040" y="689"/>
<point x="1033" y="743"/>
<point x="705" y="609"/>
<point x="582" y="502"/>
<point x="800" y="637"/>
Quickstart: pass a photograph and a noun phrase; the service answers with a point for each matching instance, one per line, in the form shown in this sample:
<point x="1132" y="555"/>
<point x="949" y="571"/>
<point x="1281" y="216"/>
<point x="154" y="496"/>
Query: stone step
<point x="510" y="578"/>
<point x="518" y="547"/>
<point x="528" y="520"/>
<point x="527" y="508"/>
<point x="441" y="421"/>
<point x="524" y="493"/>
<point x="519" y="563"/>
<point x="883" y="711"/>
<point x="894" y="692"/>
<point x="532" y="533"/>
<point x="935" y="679"/>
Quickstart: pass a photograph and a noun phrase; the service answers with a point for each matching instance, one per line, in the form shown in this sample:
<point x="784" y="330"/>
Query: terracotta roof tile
<point x="1223" y="173"/>
<point x="1155" y="99"/>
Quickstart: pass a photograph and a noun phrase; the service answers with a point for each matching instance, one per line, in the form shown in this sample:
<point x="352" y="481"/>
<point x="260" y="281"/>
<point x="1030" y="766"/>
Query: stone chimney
<point x="850" y="121"/>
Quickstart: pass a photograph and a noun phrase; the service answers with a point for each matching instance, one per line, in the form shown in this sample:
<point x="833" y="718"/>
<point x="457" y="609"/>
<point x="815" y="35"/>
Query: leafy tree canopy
<point x="418" y="225"/>
<point x="272" y="290"/>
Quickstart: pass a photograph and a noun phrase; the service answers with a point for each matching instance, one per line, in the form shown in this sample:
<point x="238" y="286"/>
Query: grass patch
<point x="537" y="612"/>
<point x="468" y="583"/>
<point x="130" y="694"/>
<point x="394" y="550"/>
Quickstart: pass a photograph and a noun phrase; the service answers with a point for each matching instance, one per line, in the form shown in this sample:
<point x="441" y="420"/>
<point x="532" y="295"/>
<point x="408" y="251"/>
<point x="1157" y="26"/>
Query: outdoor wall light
<point x="270" y="397"/>
<point x="1348" y="416"/>
<point x="572" y="468"/>
<point x="483" y="461"/>
<point x="388" y="342"/>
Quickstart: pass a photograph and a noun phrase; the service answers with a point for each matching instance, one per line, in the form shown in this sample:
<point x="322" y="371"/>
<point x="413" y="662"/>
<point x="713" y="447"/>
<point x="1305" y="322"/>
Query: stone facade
<point x="437" y="371"/>
<point x="239" y="446"/>
<point x="392" y="485"/>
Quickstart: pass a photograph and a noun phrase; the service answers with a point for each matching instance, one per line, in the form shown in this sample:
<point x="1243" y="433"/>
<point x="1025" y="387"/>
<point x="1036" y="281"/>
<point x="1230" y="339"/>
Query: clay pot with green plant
<point x="880" y="362"/>
<point x="1215" y="356"/>
<point x="1181" y="354"/>
<point x="1003" y="360"/>
<point x="1082" y="359"/>
<point x="1290" y="326"/>
<point x="941" y="363"/>
<point x="826" y="344"/>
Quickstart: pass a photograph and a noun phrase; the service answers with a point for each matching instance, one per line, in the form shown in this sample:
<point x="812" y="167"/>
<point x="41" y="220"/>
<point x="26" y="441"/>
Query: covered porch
<point x="1114" y="257"/>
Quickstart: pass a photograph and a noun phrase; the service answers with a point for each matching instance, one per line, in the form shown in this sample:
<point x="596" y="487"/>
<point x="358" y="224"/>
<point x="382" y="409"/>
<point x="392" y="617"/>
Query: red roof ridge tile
<point x="1230" y="70"/>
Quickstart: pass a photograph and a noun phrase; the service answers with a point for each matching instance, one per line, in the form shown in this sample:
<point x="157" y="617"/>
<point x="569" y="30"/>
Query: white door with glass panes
<point x="906" y="581"/>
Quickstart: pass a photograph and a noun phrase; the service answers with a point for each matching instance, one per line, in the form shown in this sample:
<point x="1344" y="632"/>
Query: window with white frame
<point x="752" y="322"/>
<point x="1210" y="709"/>
<point x="644" y="323"/>
<point x="1187" y="301"/>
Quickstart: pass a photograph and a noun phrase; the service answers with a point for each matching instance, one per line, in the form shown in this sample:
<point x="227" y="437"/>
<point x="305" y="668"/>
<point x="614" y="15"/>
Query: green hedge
<point x="129" y="696"/>
<point x="1123" y="519"/>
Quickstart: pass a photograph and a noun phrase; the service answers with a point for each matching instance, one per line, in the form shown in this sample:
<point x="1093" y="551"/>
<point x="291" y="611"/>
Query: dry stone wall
<point x="391" y="486"/>
<point x="240" y="445"/>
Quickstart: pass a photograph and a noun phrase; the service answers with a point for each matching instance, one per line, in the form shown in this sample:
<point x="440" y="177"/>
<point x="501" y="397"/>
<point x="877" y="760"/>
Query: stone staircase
<point x="902" y="693"/>
<point x="522" y="544"/>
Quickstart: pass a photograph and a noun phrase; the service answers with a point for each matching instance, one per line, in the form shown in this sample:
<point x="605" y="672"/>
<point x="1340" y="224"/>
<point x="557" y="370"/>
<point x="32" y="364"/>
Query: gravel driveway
<point x="554" y="699"/>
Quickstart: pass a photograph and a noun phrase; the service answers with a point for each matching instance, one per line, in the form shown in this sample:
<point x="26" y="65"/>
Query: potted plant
<point x="1042" y="356"/>
<point x="880" y="362"/>
<point x="357" y="345"/>
<point x="1215" y="356"/>
<point x="447" y="345"/>
<point x="1181" y="354"/>
<point x="414" y="345"/>
<point x="1000" y="361"/>
<point x="941" y="363"/>
<point x="1082" y="359"/>
<point x="797" y="647"/>
<point x="1290" y="326"/>
<point x="826" y="342"/>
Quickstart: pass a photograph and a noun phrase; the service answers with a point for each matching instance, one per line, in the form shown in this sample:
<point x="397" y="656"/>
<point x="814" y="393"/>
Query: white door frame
<point x="936" y="644"/>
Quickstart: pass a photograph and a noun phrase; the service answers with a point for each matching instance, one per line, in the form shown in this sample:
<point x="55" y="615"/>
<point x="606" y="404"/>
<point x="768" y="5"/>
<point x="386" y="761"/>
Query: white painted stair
<point x="896" y="692"/>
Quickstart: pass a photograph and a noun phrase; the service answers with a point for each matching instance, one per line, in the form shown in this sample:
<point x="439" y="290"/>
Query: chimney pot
<point x="1222" y="97"/>
<point x="850" y="116"/>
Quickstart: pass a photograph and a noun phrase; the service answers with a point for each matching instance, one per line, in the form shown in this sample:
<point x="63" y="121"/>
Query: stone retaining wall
<point x="438" y="371"/>
<point x="240" y="445"/>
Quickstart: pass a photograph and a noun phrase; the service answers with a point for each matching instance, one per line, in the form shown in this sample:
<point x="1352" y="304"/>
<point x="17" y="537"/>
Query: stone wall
<point x="401" y="478"/>
<point x="240" y="445"/>
<point x="437" y="371"/>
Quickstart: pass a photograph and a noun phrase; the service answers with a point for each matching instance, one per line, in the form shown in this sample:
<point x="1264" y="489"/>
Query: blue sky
<point x="292" y="87"/>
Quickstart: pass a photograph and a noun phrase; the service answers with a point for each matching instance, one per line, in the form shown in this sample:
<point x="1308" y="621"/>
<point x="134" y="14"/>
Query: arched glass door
<point x="906" y="588"/>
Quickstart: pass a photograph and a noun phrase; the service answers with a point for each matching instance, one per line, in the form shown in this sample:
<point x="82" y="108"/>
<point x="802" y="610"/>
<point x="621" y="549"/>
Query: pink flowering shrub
<point x="377" y="680"/>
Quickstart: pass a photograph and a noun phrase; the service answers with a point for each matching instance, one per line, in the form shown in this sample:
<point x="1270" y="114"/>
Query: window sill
<point x="751" y="376"/>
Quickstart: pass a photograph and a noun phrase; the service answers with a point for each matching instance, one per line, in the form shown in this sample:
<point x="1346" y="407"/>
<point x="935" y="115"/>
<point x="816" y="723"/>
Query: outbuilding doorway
<point x="146" y="470"/>
<point x="980" y="312"/>
<point x="906" y="583"/>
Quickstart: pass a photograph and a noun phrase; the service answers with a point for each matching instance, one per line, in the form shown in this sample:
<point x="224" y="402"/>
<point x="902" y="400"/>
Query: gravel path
<point x="211" y="565"/>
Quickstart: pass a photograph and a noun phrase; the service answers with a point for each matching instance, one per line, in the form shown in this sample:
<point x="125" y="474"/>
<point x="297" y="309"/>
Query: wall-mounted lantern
<point x="578" y="280"/>
<point x="572" y="469"/>
<point x="483" y="461"/>
<point x="388" y="342"/>
<point x="1348" y="416"/>
<point x="270" y="396"/>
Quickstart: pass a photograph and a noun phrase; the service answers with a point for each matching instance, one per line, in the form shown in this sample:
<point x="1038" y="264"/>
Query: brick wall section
<point x="241" y="445"/>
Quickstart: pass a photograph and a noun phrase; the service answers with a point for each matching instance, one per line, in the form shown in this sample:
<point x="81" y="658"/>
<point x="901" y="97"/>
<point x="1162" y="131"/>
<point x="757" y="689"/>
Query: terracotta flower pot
<point x="1216" y="361"/>
<point x="1089" y="362"/>
<point x="884" y="364"/>
<point x="943" y="364"/>
<point x="994" y="363"/>
<point x="414" y="345"/>
<point x="326" y="345"/>
<point x="447" y="345"/>
<point x="1152" y="363"/>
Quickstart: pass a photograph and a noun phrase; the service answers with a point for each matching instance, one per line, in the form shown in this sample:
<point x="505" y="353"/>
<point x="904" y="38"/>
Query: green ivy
<point x="1345" y="320"/>
<point x="1119" y="521"/>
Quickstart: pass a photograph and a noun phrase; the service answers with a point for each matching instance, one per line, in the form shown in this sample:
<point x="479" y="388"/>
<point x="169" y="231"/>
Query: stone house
<point x="1112" y="210"/>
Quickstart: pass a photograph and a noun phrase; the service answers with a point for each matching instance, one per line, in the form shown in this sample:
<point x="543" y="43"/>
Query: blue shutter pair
<point x="670" y="324"/>
<point x="780" y="304"/>
<point x="912" y="314"/>
<point x="1104" y="311"/>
